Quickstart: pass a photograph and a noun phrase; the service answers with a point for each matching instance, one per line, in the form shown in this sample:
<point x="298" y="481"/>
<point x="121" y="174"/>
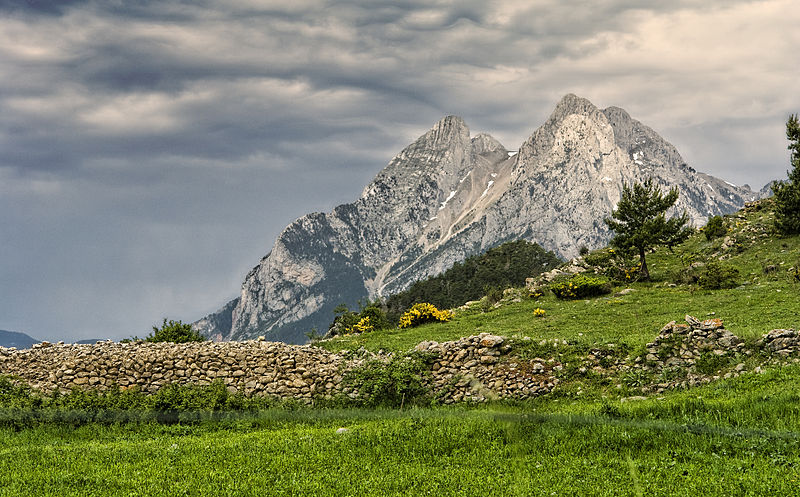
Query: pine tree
<point x="640" y="221"/>
<point x="787" y="193"/>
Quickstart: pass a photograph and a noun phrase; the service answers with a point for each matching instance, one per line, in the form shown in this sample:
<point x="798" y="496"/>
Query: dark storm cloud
<point x="150" y="152"/>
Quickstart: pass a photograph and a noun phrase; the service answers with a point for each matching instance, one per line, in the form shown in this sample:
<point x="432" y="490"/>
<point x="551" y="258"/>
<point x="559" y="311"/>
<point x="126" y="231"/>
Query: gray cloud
<point x="150" y="152"/>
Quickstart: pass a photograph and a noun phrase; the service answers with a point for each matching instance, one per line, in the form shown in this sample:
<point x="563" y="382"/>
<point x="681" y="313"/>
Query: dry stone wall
<point x="781" y="343"/>
<point x="472" y="369"/>
<point x="468" y="369"/>
<point x="479" y="368"/>
<point x="252" y="367"/>
<point x="682" y="345"/>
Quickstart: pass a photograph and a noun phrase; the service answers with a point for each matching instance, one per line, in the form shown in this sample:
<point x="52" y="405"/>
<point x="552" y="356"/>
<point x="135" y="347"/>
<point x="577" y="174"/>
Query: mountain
<point x="450" y="195"/>
<point x="16" y="339"/>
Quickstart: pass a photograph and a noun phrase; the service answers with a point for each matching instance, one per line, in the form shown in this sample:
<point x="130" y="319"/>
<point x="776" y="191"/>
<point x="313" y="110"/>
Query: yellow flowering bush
<point x="539" y="312"/>
<point x="362" y="326"/>
<point x="423" y="313"/>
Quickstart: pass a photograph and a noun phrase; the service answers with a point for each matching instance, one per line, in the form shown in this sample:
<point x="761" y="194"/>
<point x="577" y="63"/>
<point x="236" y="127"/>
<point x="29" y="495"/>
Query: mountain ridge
<point x="16" y="339"/>
<point x="449" y="195"/>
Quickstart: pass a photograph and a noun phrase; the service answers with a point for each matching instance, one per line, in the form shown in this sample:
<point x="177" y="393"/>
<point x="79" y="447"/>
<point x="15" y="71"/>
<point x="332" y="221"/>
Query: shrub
<point x="15" y="394"/>
<point x="423" y="313"/>
<point x="615" y="265"/>
<point x="371" y="317"/>
<point x="710" y="363"/>
<point x="715" y="228"/>
<point x="600" y="258"/>
<point x="362" y="326"/>
<point x="636" y="378"/>
<point x="581" y="286"/>
<point x="389" y="384"/>
<point x="174" y="331"/>
<point x="376" y="316"/>
<point x="583" y="251"/>
<point x="625" y="272"/>
<point x="494" y="294"/>
<point x="715" y="276"/>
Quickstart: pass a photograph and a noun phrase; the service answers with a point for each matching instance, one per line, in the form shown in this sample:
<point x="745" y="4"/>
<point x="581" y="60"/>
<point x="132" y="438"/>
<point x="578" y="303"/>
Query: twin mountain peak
<point x="448" y="196"/>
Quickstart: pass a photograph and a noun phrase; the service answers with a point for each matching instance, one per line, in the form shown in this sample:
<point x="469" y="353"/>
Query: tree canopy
<point x="640" y="222"/>
<point x="501" y="267"/>
<point x="174" y="331"/>
<point x="787" y="193"/>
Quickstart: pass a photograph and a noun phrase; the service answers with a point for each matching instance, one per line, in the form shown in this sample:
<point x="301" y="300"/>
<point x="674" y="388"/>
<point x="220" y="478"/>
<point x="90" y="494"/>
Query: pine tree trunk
<point x="643" y="270"/>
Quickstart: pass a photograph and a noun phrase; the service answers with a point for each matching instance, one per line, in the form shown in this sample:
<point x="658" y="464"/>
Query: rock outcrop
<point x="448" y="196"/>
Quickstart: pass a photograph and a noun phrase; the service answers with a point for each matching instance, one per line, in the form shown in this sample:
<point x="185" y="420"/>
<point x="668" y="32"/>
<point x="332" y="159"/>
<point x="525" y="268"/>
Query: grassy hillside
<point x="765" y="297"/>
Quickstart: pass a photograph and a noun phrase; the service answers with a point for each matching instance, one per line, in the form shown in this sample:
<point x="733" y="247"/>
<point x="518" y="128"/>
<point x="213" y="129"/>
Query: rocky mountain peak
<point x="447" y="128"/>
<point x="484" y="143"/>
<point x="572" y="104"/>
<point x="448" y="196"/>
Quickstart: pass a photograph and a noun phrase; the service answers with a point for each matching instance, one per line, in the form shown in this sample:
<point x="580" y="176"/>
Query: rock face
<point x="448" y="196"/>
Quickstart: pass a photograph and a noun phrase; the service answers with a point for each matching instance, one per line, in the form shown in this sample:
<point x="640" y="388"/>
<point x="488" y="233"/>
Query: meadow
<point x="733" y="437"/>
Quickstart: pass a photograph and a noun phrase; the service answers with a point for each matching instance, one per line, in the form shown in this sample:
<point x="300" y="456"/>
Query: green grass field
<point x="735" y="437"/>
<point x="739" y="436"/>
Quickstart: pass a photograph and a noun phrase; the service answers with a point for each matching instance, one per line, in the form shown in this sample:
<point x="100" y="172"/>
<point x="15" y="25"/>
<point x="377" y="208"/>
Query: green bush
<point x="389" y="384"/>
<point x="494" y="294"/>
<point x="715" y="276"/>
<point x="715" y="228"/>
<point x="615" y="265"/>
<point x="173" y="331"/>
<point x="600" y="258"/>
<point x="15" y="395"/>
<point x="581" y="286"/>
<point x="370" y="317"/>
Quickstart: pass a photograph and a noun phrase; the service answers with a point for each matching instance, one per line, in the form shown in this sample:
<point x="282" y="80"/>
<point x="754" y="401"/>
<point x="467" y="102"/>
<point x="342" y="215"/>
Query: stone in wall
<point x="479" y="368"/>
<point x="781" y="342"/>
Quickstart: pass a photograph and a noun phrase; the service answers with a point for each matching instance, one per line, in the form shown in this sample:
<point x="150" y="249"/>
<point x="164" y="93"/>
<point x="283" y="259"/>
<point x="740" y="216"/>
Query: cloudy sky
<point x="151" y="151"/>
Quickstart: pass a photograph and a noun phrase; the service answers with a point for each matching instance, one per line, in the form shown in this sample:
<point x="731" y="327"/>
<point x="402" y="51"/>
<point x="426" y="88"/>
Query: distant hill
<point x="16" y="339"/>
